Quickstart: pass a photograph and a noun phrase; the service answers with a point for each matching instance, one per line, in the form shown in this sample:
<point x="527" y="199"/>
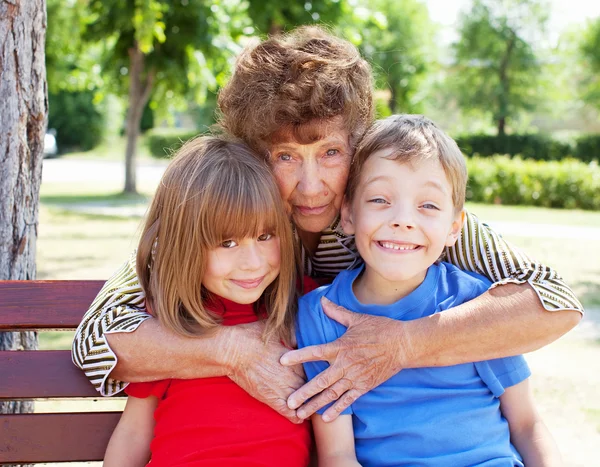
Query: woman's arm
<point x="335" y="442"/>
<point x="528" y="433"/>
<point x="130" y="442"/>
<point x="119" y="341"/>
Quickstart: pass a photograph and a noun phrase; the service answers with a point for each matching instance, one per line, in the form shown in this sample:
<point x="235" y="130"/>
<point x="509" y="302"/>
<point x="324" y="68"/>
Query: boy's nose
<point x="402" y="218"/>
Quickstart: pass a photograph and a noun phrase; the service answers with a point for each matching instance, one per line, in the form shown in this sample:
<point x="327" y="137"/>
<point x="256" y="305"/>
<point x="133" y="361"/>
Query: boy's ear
<point x="346" y="215"/>
<point x="456" y="228"/>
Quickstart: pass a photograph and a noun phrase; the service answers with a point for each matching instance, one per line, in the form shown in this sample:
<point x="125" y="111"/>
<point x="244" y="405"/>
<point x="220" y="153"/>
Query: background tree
<point x="159" y="48"/>
<point x="396" y="37"/>
<point x="23" y="110"/>
<point x="590" y="51"/>
<point x="276" y="16"/>
<point x="496" y="67"/>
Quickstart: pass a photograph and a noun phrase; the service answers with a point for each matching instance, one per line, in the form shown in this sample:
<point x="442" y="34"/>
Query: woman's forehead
<point x="310" y="132"/>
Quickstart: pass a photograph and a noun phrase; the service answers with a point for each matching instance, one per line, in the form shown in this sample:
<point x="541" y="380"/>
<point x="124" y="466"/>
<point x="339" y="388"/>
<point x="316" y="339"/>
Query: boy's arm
<point x="528" y="433"/>
<point x="130" y="442"/>
<point x="335" y="441"/>
<point x="119" y="341"/>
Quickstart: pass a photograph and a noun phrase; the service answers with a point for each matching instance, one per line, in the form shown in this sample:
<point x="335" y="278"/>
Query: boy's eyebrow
<point x="437" y="185"/>
<point x="429" y="183"/>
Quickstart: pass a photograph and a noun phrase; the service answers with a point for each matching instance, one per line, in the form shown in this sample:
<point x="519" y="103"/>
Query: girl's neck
<point x="310" y="241"/>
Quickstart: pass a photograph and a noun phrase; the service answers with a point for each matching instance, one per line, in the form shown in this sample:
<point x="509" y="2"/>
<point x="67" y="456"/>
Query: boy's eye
<point x="228" y="244"/>
<point x="264" y="237"/>
<point x="430" y="206"/>
<point x="378" y="201"/>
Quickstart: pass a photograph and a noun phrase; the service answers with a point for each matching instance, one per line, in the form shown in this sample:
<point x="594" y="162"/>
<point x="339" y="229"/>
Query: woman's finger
<point x="319" y="383"/>
<point x="340" y="405"/>
<point x="329" y="395"/>
<point x="337" y="312"/>
<point x="312" y="353"/>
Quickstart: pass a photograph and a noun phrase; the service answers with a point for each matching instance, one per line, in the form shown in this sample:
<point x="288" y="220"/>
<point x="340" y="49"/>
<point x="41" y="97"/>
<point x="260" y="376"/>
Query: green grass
<point x="113" y="148"/>
<point x="534" y="215"/>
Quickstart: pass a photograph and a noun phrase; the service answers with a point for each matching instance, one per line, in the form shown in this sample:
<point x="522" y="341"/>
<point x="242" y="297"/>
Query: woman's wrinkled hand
<point x="254" y="366"/>
<point x="369" y="353"/>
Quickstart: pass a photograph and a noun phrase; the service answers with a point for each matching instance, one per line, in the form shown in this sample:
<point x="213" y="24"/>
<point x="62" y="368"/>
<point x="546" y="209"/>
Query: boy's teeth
<point x="395" y="246"/>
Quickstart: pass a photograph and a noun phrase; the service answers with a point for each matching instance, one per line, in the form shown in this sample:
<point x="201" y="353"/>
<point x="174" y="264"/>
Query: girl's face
<point x="241" y="270"/>
<point x="312" y="177"/>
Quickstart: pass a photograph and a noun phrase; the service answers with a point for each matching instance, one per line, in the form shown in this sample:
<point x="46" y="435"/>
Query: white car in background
<point x="50" y="147"/>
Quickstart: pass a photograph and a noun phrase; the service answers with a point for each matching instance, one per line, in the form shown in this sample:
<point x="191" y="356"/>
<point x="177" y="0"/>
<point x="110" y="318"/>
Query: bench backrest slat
<point x="45" y="304"/>
<point x="42" y="374"/>
<point x="65" y="437"/>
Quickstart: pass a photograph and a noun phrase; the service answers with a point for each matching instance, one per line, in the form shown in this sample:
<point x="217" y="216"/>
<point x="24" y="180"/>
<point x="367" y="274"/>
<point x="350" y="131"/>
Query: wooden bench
<point x="48" y="437"/>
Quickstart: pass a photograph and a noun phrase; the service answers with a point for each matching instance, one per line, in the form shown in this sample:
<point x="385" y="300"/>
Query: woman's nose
<point x="310" y="182"/>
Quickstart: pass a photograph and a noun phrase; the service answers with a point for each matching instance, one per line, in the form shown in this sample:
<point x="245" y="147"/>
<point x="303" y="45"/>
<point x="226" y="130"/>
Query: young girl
<point x="216" y="250"/>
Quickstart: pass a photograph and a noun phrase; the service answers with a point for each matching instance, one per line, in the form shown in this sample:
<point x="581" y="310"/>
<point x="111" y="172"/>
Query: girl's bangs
<point x="246" y="210"/>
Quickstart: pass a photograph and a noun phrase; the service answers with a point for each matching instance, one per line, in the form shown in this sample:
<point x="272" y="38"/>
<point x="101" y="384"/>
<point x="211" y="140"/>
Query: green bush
<point x="528" y="146"/>
<point x="162" y="144"/>
<point x="569" y="183"/>
<point x="78" y="122"/>
<point x="588" y="148"/>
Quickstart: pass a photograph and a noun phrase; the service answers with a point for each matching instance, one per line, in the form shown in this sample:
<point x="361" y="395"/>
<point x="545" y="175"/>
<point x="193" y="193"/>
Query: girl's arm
<point x="130" y="442"/>
<point x="335" y="441"/>
<point x="528" y="433"/>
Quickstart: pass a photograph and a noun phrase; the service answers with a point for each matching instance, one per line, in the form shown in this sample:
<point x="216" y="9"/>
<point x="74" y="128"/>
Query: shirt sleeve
<point x="313" y="328"/>
<point x="118" y="307"/>
<point x="479" y="249"/>
<point x="151" y="388"/>
<point x="503" y="373"/>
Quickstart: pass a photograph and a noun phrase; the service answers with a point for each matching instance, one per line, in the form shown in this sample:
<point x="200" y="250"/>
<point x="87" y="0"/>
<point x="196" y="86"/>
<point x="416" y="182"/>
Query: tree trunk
<point x="504" y="97"/>
<point x="139" y="93"/>
<point x="393" y="102"/>
<point x="23" y="114"/>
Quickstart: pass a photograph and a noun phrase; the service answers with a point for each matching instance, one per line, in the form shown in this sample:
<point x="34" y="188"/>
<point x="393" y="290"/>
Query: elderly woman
<point x="303" y="101"/>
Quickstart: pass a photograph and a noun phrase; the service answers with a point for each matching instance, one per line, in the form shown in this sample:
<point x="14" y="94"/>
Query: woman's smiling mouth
<point x="311" y="211"/>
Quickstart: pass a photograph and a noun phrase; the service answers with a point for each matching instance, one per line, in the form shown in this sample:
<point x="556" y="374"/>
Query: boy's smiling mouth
<point x="397" y="246"/>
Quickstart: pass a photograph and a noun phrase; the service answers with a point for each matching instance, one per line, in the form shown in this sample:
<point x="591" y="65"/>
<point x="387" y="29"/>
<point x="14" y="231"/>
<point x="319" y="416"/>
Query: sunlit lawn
<point x="566" y="374"/>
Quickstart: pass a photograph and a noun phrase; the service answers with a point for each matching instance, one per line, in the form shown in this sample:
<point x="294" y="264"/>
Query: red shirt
<point x="213" y="422"/>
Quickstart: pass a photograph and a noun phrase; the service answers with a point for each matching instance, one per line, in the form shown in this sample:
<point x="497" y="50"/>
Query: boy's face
<point x="402" y="216"/>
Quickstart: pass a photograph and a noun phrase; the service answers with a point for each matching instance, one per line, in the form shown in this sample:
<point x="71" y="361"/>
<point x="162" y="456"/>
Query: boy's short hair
<point x="287" y="81"/>
<point x="412" y="138"/>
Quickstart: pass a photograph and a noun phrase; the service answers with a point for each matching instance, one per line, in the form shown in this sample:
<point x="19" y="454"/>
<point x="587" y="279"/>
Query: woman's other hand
<point x="369" y="353"/>
<point x="254" y="366"/>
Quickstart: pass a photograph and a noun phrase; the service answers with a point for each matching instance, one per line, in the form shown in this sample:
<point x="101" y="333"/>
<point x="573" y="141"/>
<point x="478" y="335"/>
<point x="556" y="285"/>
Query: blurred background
<point x="515" y="82"/>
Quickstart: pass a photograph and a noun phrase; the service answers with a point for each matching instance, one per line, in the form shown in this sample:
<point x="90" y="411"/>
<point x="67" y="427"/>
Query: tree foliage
<point x="496" y="67"/>
<point x="396" y="38"/>
<point x="590" y="51"/>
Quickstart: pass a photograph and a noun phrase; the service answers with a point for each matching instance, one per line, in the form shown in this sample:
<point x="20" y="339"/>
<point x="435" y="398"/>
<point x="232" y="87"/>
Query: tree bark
<point x="139" y="93"/>
<point x="504" y="97"/>
<point x="23" y="114"/>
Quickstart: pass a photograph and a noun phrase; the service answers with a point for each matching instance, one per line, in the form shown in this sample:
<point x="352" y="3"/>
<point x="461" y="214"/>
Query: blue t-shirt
<point x="442" y="416"/>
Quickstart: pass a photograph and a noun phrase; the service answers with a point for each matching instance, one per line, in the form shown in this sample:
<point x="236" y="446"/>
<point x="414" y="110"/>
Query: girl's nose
<point x="251" y="257"/>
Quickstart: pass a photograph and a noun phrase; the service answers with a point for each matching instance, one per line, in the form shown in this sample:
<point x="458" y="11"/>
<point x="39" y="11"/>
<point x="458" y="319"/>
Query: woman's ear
<point x="456" y="228"/>
<point x="346" y="214"/>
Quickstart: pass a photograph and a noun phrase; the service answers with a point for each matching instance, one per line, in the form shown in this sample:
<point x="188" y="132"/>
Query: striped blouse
<point x="120" y="304"/>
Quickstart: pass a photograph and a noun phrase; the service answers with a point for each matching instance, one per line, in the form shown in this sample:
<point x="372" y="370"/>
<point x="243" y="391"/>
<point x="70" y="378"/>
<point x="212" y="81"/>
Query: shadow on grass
<point x="113" y="199"/>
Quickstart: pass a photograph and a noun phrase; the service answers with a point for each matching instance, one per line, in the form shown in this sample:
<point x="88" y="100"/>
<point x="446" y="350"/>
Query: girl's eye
<point x="229" y="244"/>
<point x="430" y="206"/>
<point x="284" y="157"/>
<point x="264" y="237"/>
<point x="332" y="152"/>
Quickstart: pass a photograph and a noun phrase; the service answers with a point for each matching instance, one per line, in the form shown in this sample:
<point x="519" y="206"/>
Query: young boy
<point x="404" y="205"/>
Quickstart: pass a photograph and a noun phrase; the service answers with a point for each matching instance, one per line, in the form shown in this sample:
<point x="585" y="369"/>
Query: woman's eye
<point x="228" y="244"/>
<point x="284" y="157"/>
<point x="332" y="152"/>
<point x="264" y="237"/>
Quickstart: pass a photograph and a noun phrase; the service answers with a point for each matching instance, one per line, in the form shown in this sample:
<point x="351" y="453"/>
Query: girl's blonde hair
<point x="215" y="189"/>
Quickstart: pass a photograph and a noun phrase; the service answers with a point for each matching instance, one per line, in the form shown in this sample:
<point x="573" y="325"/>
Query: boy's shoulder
<point x="456" y="286"/>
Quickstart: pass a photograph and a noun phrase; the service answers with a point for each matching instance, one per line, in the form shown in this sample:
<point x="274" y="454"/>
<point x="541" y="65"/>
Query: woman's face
<point x="312" y="177"/>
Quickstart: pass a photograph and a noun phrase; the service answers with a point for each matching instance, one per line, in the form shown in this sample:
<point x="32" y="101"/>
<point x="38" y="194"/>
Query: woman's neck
<point x="310" y="240"/>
